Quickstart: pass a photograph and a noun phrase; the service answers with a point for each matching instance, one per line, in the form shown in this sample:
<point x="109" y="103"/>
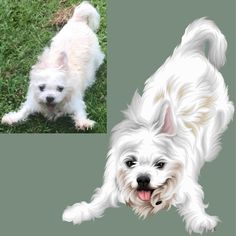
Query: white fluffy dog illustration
<point x="64" y="70"/>
<point x="167" y="135"/>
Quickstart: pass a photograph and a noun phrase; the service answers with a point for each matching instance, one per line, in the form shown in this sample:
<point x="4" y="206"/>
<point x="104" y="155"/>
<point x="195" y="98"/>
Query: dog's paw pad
<point x="85" y="124"/>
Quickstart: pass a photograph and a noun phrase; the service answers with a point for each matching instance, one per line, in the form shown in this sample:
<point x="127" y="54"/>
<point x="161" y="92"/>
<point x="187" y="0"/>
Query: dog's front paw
<point x="202" y="223"/>
<point x="77" y="213"/>
<point x="10" y="118"/>
<point x="84" y="124"/>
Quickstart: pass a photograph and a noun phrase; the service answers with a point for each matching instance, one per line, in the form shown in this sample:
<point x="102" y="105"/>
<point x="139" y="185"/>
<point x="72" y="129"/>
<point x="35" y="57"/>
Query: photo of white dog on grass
<point x="168" y="134"/>
<point x="64" y="71"/>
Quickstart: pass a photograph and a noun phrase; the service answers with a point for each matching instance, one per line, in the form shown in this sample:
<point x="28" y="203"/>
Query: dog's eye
<point x="41" y="87"/>
<point x="60" y="88"/>
<point x="159" y="164"/>
<point x="130" y="163"/>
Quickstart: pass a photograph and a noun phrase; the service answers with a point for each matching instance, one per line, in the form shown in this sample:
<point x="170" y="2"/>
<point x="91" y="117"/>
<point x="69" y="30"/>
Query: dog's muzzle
<point x="143" y="189"/>
<point x="50" y="103"/>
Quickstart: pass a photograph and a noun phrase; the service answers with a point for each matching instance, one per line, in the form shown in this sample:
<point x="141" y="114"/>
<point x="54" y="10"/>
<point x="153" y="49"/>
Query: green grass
<point x="24" y="32"/>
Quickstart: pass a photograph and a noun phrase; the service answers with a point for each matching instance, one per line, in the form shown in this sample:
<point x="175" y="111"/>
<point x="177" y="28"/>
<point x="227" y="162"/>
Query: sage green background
<point x="41" y="174"/>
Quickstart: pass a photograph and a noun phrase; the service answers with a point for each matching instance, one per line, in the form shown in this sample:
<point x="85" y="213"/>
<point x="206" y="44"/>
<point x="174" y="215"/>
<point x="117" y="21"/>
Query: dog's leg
<point x="192" y="208"/>
<point x="104" y="197"/>
<point x="21" y="115"/>
<point x="79" y="115"/>
<point x="211" y="138"/>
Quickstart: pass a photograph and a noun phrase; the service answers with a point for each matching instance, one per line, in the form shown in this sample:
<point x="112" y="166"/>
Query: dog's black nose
<point x="50" y="99"/>
<point x="143" y="180"/>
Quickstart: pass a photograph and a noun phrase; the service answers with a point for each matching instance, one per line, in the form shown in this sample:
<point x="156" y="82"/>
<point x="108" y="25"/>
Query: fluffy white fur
<point x="177" y="121"/>
<point x="63" y="72"/>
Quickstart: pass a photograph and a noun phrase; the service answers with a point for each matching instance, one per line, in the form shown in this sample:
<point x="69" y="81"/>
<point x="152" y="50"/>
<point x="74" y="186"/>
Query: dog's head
<point x="149" y="159"/>
<point x="49" y="83"/>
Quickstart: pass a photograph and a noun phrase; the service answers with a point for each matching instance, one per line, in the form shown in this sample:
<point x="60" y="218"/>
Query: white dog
<point x="168" y="134"/>
<point x="64" y="70"/>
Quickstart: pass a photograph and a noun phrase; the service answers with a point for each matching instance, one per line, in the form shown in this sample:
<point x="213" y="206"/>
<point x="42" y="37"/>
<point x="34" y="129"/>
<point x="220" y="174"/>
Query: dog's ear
<point x="62" y="60"/>
<point x="42" y="60"/>
<point x="166" y="121"/>
<point x="133" y="110"/>
<point x="40" y="65"/>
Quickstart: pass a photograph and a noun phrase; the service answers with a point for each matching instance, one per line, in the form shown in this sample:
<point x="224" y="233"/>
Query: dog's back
<point x="193" y="85"/>
<point x="79" y="41"/>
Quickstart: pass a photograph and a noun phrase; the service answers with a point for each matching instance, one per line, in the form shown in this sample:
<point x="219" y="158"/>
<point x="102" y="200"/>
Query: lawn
<point x="25" y="29"/>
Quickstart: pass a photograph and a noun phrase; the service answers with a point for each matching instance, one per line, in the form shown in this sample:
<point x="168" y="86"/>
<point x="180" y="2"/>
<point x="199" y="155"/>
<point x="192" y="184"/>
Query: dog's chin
<point x="145" y="202"/>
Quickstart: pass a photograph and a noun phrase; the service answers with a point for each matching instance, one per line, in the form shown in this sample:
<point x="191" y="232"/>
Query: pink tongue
<point x="50" y="108"/>
<point x="144" y="195"/>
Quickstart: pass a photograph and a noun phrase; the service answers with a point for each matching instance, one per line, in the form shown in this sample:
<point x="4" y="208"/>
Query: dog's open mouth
<point x="50" y="106"/>
<point x="145" y="194"/>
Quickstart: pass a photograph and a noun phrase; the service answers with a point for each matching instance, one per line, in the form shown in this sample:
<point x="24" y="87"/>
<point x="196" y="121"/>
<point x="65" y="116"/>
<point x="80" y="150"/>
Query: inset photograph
<point x="53" y="66"/>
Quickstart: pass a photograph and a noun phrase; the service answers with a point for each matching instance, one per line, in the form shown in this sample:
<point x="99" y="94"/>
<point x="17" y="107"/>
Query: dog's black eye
<point x="130" y="163"/>
<point x="60" y="88"/>
<point x="159" y="164"/>
<point x="41" y="87"/>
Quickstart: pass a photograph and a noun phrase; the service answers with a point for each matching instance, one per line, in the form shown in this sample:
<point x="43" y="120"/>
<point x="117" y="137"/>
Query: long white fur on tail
<point x="87" y="13"/>
<point x="200" y="31"/>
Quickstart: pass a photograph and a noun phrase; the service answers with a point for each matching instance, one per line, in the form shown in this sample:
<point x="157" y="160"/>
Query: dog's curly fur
<point x="63" y="72"/>
<point x="167" y="135"/>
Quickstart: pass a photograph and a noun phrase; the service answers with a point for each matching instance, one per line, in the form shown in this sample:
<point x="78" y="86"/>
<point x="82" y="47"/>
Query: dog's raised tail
<point x="201" y="31"/>
<point x="85" y="12"/>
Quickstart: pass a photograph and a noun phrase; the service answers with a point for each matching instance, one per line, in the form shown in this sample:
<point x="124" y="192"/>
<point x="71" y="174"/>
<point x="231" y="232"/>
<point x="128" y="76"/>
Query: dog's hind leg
<point x="99" y="58"/>
<point x="93" y="67"/>
<point x="212" y="136"/>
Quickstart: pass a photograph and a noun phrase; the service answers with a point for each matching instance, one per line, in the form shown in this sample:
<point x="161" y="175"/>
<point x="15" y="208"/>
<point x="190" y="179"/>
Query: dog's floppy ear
<point x="62" y="60"/>
<point x="166" y="121"/>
